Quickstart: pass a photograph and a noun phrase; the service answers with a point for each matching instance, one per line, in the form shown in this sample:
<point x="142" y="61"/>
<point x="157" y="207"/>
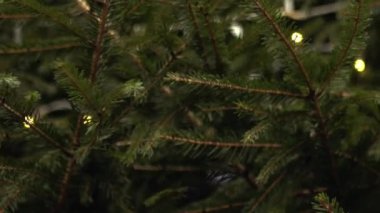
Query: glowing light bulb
<point x="297" y="37"/>
<point x="84" y="5"/>
<point x="87" y="119"/>
<point x="29" y="120"/>
<point x="237" y="30"/>
<point x="359" y="65"/>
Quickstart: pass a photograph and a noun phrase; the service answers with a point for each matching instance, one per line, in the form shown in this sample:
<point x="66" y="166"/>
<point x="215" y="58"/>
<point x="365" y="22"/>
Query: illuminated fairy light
<point x="87" y="119"/>
<point x="237" y="30"/>
<point x="29" y="120"/>
<point x="359" y="65"/>
<point x="84" y="5"/>
<point x="297" y="37"/>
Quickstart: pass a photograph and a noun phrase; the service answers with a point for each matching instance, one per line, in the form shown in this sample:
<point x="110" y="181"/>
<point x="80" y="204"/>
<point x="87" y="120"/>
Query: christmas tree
<point x="187" y="106"/>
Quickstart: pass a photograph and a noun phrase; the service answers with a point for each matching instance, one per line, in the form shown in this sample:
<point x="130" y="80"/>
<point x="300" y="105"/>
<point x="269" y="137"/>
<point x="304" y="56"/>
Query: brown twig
<point x="218" y="58"/>
<point x="221" y="108"/>
<point x="218" y="208"/>
<point x="69" y="172"/>
<point x="65" y="185"/>
<point x="235" y="87"/>
<point x="17" y="16"/>
<point x="137" y="61"/>
<point x="170" y="168"/>
<point x="266" y="192"/>
<point x="161" y="72"/>
<point x="173" y="57"/>
<point x="324" y="139"/>
<point x="76" y="137"/>
<point x="289" y="46"/>
<point x="198" y="36"/>
<point x="346" y="49"/>
<point x="99" y="41"/>
<point x="19" y="170"/>
<point x="220" y="144"/>
<point x="308" y="192"/>
<point x="13" y="51"/>
<point x="35" y="128"/>
<point x="313" y="96"/>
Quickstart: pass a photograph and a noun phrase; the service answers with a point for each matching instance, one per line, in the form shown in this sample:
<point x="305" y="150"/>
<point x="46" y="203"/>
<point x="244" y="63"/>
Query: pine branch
<point x="289" y="46"/>
<point x="266" y="192"/>
<point x="76" y="137"/>
<point x="312" y="94"/>
<point x="215" y="48"/>
<point x="99" y="41"/>
<point x="11" y="199"/>
<point x="170" y="168"/>
<point x="17" y="16"/>
<point x="13" y="51"/>
<point x="223" y="207"/>
<point x="77" y="82"/>
<point x="65" y="185"/>
<point x="161" y="72"/>
<point x="18" y="170"/>
<point x="347" y="48"/>
<point x="322" y="203"/>
<point x="137" y="61"/>
<point x="220" y="109"/>
<point x="93" y="74"/>
<point x="308" y="192"/>
<point x="220" y="144"/>
<point x="35" y="128"/>
<point x="178" y="78"/>
<point x="325" y="137"/>
<point x="53" y="15"/>
<point x="173" y="56"/>
<point x="198" y="37"/>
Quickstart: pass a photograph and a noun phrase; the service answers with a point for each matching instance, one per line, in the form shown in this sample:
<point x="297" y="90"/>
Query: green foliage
<point x="8" y="81"/>
<point x="80" y="90"/>
<point x="322" y="203"/>
<point x="53" y="14"/>
<point x="147" y="106"/>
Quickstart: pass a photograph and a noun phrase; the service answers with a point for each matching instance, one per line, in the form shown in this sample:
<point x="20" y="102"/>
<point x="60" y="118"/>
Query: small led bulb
<point x="237" y="30"/>
<point x="297" y="37"/>
<point x="359" y="65"/>
<point x="84" y="5"/>
<point x="87" y="119"/>
<point x="29" y="120"/>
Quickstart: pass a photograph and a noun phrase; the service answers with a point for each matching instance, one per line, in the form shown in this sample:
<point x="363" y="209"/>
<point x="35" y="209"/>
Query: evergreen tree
<point x="148" y="106"/>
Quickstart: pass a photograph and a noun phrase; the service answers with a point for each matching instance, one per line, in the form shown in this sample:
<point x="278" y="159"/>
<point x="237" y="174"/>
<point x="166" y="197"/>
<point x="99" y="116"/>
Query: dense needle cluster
<point x="183" y="106"/>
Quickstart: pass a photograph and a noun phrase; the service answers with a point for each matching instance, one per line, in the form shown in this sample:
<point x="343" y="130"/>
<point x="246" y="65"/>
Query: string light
<point x="84" y="5"/>
<point x="87" y="119"/>
<point x="237" y="30"/>
<point x="297" y="37"/>
<point x="359" y="65"/>
<point x="29" y="120"/>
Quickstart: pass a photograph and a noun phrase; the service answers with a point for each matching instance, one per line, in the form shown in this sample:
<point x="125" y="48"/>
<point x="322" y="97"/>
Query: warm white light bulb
<point x="297" y="37"/>
<point x="29" y="120"/>
<point x="359" y="65"/>
<point x="237" y="30"/>
<point x="87" y="119"/>
<point x="84" y="5"/>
